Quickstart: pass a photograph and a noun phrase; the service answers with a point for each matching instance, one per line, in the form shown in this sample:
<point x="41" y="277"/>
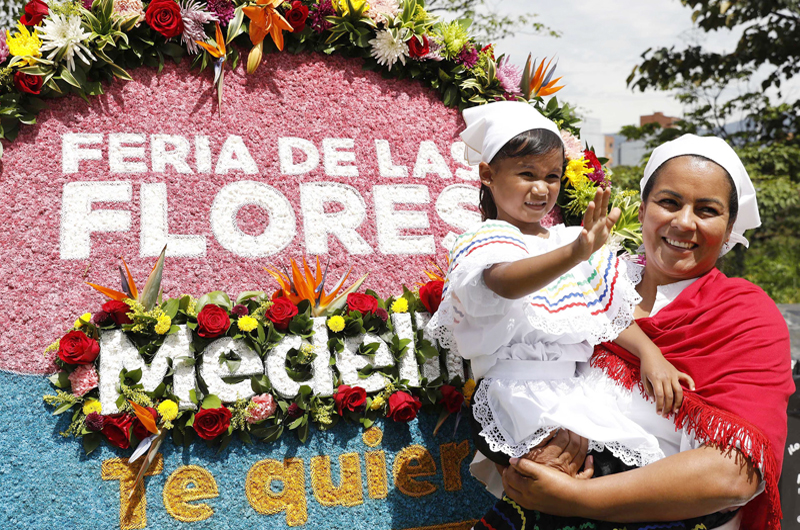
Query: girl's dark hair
<point x="733" y="198"/>
<point x="532" y="142"/>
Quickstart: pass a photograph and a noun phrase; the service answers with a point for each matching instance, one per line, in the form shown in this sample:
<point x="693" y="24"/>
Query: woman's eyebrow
<point x="679" y="196"/>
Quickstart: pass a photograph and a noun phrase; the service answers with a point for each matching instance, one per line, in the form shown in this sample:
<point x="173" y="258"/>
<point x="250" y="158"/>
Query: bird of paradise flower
<point x="538" y="81"/>
<point x="304" y="284"/>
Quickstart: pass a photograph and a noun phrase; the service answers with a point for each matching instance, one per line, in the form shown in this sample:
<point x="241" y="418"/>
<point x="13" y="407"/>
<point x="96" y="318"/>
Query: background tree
<point x="739" y="96"/>
<point x="488" y="21"/>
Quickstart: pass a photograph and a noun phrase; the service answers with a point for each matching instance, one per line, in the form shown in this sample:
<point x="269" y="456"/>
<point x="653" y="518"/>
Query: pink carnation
<point x="83" y="379"/>
<point x="3" y="47"/>
<point x="263" y="406"/>
<point x="509" y="76"/>
<point x="572" y="146"/>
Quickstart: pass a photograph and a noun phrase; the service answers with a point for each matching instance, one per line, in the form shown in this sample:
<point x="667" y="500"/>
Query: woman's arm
<point x="689" y="484"/>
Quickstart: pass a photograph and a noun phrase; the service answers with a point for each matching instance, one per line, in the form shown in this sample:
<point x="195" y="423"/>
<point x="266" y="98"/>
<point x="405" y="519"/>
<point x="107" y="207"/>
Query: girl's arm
<point x="523" y="277"/>
<point x="661" y="380"/>
<point x="689" y="484"/>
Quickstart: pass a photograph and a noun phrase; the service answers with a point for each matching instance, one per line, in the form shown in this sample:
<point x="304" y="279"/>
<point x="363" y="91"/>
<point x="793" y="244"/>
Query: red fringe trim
<point x="712" y="426"/>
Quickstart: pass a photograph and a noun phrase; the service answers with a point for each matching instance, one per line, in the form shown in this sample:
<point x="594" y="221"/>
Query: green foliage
<point x="490" y="23"/>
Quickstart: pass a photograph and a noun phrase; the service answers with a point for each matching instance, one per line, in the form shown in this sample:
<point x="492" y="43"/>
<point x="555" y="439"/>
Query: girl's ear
<point x="486" y="173"/>
<point x="641" y="212"/>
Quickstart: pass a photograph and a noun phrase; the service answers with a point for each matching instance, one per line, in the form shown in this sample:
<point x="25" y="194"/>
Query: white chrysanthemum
<point x="388" y="49"/>
<point x="194" y="16"/>
<point x="64" y="33"/>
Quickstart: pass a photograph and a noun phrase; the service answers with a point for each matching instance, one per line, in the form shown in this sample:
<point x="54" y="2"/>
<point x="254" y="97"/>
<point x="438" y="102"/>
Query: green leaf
<point x="211" y="402"/>
<point x="69" y="78"/>
<point x="60" y="380"/>
<point x="135" y="375"/>
<point x="193" y="396"/>
<point x="245" y="437"/>
<point x="247" y="295"/>
<point x="296" y="423"/>
<point x="235" y="25"/>
<point x="149" y="294"/>
<point x="91" y="442"/>
<point x="63" y="408"/>
<point x="171" y="307"/>
<point x="302" y="432"/>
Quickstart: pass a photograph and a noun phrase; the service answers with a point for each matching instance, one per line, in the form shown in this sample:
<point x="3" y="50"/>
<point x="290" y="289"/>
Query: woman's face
<point x="685" y="219"/>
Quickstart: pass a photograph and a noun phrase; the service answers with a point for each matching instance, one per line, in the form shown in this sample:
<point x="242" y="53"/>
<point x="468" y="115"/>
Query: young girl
<point x="527" y="304"/>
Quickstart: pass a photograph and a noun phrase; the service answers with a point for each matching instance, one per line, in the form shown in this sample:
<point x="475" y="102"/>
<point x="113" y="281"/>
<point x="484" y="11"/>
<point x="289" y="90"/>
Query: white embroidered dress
<point x="527" y="350"/>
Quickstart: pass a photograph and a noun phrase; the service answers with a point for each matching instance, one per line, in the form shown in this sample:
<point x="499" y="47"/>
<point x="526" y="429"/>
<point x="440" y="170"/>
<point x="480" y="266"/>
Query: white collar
<point x="665" y="294"/>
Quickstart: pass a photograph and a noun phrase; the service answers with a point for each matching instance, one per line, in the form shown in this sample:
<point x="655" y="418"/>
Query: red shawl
<point x="730" y="337"/>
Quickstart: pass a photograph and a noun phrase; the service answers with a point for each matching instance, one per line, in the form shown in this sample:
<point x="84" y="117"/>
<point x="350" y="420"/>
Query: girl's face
<point x="685" y="219"/>
<point x="524" y="188"/>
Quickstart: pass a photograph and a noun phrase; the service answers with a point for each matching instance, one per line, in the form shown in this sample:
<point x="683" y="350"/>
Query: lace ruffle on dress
<point x="526" y="350"/>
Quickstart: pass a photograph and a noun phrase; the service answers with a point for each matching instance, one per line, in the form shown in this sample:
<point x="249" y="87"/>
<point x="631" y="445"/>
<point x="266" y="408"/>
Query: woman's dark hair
<point x="733" y="198"/>
<point x="532" y="142"/>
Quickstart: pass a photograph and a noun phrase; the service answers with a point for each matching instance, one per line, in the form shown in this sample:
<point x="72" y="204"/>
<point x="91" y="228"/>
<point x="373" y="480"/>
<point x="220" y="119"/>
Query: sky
<point x="601" y="42"/>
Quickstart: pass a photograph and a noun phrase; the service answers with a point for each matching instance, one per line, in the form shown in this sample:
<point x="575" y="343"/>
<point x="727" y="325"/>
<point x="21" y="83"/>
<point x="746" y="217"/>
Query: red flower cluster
<point x="597" y="175"/>
<point x="210" y="423"/>
<point x="452" y="399"/>
<point x="35" y="11"/>
<point x="430" y="295"/>
<point x="117" y="429"/>
<point x="212" y="321"/>
<point x="403" y="407"/>
<point x="281" y="312"/>
<point x="350" y="398"/>
<point x="76" y="348"/>
<point x="417" y="49"/>
<point x="297" y="16"/>
<point x="115" y="311"/>
<point x="27" y="83"/>
<point x="164" y="16"/>
<point x="363" y="303"/>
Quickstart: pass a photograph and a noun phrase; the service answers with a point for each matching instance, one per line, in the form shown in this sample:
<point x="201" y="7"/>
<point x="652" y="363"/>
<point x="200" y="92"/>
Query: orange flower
<point x="305" y="285"/>
<point x="539" y="83"/>
<point x="218" y="50"/>
<point x="264" y="19"/>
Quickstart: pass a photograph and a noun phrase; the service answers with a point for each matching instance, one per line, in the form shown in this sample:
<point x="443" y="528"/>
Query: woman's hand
<point x="597" y="225"/>
<point x="662" y="382"/>
<point x="564" y="451"/>
<point x="538" y="487"/>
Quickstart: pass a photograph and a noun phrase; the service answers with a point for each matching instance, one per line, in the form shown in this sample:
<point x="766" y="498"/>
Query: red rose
<point x="281" y="313"/>
<point x="210" y="423"/>
<point x="294" y="411"/>
<point x="35" y="11"/>
<point x="403" y="407"/>
<point x="118" y="312"/>
<point x="139" y="430"/>
<point x="430" y="295"/>
<point x="297" y="16"/>
<point x="452" y="399"/>
<point x="76" y="348"/>
<point x="117" y="429"/>
<point x="212" y="321"/>
<point x="362" y="303"/>
<point x="164" y="16"/>
<point x="415" y="49"/>
<point x="350" y="398"/>
<point x="30" y="84"/>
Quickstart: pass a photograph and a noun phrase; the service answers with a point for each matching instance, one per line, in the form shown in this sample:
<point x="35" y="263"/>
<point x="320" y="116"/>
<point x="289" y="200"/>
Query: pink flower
<point x="83" y="379"/>
<point x="223" y="9"/>
<point x="509" y="76"/>
<point x="317" y="14"/>
<point x="3" y="47"/>
<point x="468" y="56"/>
<point x="263" y="406"/>
<point x="572" y="146"/>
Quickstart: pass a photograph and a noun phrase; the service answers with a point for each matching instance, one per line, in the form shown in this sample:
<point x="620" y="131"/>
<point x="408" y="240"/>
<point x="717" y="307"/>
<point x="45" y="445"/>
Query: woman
<point x="724" y="446"/>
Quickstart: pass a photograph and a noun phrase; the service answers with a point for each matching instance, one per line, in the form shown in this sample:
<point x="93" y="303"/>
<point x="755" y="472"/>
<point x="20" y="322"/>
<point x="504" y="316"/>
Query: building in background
<point x="623" y="152"/>
<point x="591" y="134"/>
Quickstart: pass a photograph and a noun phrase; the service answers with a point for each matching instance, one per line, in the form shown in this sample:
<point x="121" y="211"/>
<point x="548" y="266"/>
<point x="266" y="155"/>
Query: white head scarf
<point x="491" y="126"/>
<point x="719" y="151"/>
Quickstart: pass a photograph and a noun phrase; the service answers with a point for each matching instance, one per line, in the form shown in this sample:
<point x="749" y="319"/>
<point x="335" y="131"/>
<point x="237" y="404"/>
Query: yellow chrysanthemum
<point x="468" y="390"/>
<point x="84" y="318"/>
<point x="163" y="325"/>
<point x="92" y="405"/>
<point x="336" y="323"/>
<point x="168" y="409"/>
<point x="576" y="171"/>
<point x="247" y="323"/>
<point x="342" y="9"/>
<point x="400" y="305"/>
<point x="377" y="402"/>
<point x="24" y="43"/>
